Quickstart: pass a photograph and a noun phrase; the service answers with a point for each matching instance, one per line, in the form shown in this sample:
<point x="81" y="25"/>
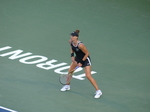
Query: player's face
<point x="73" y="38"/>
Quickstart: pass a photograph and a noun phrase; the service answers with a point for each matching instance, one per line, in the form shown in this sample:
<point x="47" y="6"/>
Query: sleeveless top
<point x="79" y="53"/>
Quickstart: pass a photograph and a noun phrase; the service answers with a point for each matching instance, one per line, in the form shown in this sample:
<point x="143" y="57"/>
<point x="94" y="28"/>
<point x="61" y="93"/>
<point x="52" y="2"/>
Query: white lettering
<point x="37" y="59"/>
<point x="80" y="77"/>
<point x="15" y="54"/>
<point x="58" y="70"/>
<point x="48" y="65"/>
<point x="26" y="60"/>
<point x="4" y="48"/>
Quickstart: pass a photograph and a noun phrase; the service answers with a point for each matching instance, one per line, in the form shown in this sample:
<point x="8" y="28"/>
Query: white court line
<point x="7" y="109"/>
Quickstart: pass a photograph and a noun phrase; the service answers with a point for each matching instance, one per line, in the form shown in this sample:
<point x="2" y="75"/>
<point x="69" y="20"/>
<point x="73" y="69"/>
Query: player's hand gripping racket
<point x="66" y="78"/>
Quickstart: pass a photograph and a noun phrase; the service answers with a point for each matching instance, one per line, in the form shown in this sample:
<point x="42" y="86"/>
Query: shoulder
<point x="81" y="45"/>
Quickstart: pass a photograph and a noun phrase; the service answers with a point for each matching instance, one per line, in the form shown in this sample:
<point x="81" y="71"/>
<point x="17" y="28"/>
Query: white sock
<point x="68" y="86"/>
<point x="98" y="91"/>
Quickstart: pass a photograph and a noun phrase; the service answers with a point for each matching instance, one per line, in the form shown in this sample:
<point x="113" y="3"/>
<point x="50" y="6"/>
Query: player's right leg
<point x="67" y="87"/>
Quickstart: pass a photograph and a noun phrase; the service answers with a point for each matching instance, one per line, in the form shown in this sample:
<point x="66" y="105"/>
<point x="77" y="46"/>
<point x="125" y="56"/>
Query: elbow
<point x="87" y="53"/>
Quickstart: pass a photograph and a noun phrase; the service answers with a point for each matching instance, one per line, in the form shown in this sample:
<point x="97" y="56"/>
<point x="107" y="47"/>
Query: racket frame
<point x="70" y="73"/>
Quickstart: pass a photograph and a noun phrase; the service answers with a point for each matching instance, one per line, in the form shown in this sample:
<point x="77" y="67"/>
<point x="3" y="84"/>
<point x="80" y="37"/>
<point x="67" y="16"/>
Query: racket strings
<point x="65" y="79"/>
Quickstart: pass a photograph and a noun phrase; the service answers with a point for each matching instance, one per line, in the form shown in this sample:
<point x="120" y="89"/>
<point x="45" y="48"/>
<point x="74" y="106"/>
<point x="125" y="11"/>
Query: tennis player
<point x="82" y="59"/>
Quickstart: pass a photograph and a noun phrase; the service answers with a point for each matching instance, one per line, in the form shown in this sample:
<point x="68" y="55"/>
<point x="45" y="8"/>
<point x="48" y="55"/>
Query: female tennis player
<point x="82" y="59"/>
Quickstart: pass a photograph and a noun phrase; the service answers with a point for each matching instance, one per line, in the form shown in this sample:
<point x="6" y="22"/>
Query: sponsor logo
<point x="77" y="49"/>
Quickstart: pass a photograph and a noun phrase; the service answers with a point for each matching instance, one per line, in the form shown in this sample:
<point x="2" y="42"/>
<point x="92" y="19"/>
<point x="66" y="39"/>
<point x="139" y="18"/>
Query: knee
<point x="88" y="76"/>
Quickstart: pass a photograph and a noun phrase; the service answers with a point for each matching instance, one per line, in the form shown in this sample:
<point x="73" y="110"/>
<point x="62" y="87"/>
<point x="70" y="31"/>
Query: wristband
<point x="72" y="54"/>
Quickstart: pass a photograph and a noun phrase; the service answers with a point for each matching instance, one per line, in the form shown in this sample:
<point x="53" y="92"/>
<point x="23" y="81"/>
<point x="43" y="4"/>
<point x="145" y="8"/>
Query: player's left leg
<point x="87" y="70"/>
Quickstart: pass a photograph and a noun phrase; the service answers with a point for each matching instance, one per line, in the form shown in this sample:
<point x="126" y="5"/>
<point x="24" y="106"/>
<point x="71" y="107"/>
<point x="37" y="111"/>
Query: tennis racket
<point x="66" y="78"/>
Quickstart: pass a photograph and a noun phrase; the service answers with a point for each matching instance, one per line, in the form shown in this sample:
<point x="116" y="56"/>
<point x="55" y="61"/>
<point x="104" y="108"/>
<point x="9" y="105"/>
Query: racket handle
<point x="76" y="67"/>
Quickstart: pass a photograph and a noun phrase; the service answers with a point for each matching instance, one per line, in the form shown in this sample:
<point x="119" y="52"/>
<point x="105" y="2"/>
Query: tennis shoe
<point x="65" y="88"/>
<point x="98" y="93"/>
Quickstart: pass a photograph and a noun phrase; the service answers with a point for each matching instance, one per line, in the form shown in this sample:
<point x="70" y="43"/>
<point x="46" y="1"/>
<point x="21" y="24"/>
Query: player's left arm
<point x="84" y="49"/>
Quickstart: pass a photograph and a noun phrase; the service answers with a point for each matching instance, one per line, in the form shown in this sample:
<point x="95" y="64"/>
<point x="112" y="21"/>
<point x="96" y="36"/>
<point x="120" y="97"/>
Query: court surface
<point x="117" y="34"/>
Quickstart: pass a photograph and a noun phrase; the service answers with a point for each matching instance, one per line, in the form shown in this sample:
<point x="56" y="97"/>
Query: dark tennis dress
<point x="79" y="55"/>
